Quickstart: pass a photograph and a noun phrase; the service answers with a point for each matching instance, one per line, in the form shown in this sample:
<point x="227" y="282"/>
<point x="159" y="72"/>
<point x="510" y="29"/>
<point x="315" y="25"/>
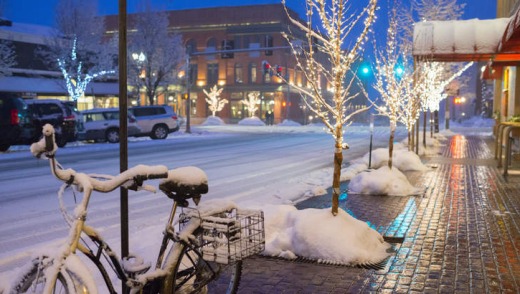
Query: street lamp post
<point x="139" y="59"/>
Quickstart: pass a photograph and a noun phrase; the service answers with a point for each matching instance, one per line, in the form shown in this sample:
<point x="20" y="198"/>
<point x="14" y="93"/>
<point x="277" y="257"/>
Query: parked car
<point x="102" y="124"/>
<point x="56" y="113"/>
<point x="75" y="113"/>
<point x="15" y="124"/>
<point x="156" y="121"/>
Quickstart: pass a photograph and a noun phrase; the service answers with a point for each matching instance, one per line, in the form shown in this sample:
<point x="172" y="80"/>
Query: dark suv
<point x="15" y="127"/>
<point x="56" y="113"/>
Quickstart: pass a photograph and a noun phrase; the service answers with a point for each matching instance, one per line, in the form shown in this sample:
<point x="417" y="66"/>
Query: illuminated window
<point x="212" y="74"/>
<point x="239" y="76"/>
<point x="252" y="73"/>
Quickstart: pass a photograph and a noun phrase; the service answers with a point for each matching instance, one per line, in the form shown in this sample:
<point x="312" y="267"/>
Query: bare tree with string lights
<point x="393" y="82"/>
<point x="330" y="49"/>
<point x="215" y="102"/>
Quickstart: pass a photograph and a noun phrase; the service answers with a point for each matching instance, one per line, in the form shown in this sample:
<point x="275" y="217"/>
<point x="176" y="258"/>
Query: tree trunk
<point x="409" y="138"/>
<point x="338" y="160"/>
<point x="336" y="177"/>
<point x="391" y="148"/>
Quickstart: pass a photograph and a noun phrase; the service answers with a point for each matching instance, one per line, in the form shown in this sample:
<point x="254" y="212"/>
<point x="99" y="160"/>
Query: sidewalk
<point x="461" y="236"/>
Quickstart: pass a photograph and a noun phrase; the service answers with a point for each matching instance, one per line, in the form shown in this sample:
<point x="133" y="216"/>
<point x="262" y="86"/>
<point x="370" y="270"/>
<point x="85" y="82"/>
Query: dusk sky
<point x="42" y="12"/>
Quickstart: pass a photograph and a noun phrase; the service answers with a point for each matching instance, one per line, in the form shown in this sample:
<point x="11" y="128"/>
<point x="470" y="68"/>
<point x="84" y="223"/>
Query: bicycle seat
<point x="184" y="183"/>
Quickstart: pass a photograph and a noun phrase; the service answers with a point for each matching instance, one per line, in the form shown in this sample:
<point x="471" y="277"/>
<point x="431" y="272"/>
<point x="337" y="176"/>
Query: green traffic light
<point x="399" y="71"/>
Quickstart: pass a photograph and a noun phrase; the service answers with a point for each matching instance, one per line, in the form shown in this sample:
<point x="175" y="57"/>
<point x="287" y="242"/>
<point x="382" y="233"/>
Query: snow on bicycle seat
<point x="184" y="183"/>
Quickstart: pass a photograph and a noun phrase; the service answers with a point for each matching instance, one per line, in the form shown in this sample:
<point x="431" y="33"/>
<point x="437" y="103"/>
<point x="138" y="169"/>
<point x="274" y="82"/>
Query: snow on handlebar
<point x="47" y="144"/>
<point x="132" y="178"/>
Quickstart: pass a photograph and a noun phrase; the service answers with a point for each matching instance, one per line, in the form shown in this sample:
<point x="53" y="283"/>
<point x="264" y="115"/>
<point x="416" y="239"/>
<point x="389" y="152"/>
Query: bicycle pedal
<point x="135" y="265"/>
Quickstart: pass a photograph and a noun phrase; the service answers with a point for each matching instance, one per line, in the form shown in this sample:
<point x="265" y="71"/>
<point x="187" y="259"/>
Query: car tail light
<point x="14" y="118"/>
<point x="69" y="117"/>
<point x="174" y="117"/>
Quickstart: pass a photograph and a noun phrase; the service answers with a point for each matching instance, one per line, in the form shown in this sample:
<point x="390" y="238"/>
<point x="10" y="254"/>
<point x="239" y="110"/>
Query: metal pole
<point x="447" y="113"/>
<point x="371" y="136"/>
<point x="188" y="101"/>
<point x="123" y="138"/>
<point x="417" y="123"/>
<point x="424" y="128"/>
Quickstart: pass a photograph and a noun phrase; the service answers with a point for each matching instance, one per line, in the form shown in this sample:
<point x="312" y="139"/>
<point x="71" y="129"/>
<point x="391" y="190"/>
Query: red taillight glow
<point x="174" y="117"/>
<point x="70" y="117"/>
<point x="15" y="119"/>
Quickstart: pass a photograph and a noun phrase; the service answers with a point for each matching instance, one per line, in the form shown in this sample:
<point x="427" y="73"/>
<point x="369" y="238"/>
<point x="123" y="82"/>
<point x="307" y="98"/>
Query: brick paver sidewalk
<point x="461" y="236"/>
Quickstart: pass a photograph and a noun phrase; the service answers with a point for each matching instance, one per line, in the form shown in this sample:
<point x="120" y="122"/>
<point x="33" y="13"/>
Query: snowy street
<point x="249" y="165"/>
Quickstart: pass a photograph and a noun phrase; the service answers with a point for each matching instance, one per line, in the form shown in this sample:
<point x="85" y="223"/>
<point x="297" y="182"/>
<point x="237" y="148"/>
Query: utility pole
<point x="123" y="131"/>
<point x="188" y="98"/>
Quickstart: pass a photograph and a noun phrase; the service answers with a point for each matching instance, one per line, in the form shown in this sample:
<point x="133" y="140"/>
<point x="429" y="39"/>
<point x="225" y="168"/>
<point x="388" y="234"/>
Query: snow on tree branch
<point x="163" y="53"/>
<point x="215" y="103"/>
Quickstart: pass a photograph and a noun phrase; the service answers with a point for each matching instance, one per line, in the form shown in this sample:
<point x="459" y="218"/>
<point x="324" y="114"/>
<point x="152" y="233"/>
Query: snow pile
<point x="251" y="121"/>
<point x="307" y="233"/>
<point x="289" y="123"/>
<point x="213" y="121"/>
<point x="402" y="159"/>
<point x="476" y="122"/>
<point x="382" y="181"/>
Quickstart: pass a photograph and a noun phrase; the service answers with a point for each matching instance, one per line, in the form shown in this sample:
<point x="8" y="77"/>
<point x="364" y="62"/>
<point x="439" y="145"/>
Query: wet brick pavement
<point x="461" y="236"/>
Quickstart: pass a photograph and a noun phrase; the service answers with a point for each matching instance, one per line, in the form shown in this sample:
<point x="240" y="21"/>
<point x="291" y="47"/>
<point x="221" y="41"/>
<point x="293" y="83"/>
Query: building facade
<point x="229" y="47"/>
<point x="31" y="78"/>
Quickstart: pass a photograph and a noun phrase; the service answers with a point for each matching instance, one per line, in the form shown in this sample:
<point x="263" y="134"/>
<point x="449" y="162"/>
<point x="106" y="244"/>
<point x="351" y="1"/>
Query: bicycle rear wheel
<point x="33" y="280"/>
<point x="192" y="274"/>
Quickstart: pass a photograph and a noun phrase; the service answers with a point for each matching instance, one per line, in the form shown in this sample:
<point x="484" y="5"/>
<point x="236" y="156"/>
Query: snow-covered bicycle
<point x="203" y="256"/>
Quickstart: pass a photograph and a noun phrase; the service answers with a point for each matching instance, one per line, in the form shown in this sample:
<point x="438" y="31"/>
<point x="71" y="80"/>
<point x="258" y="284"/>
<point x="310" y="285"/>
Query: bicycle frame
<point x="138" y="276"/>
<point x="103" y="249"/>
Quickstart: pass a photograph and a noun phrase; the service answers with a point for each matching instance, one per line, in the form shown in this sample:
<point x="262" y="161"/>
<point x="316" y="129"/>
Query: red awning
<point x="510" y="41"/>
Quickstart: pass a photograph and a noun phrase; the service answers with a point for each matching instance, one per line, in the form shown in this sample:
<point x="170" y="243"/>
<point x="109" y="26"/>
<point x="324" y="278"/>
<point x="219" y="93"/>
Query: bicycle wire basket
<point x="230" y="237"/>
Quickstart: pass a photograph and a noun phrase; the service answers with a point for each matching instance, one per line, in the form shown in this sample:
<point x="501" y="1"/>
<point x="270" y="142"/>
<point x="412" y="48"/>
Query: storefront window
<point x="237" y="107"/>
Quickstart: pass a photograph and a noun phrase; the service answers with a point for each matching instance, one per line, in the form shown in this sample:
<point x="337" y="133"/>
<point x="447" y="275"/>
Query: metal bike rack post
<point x="371" y="136"/>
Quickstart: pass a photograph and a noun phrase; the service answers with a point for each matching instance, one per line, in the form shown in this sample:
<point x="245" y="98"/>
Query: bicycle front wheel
<point x="192" y="274"/>
<point x="33" y="280"/>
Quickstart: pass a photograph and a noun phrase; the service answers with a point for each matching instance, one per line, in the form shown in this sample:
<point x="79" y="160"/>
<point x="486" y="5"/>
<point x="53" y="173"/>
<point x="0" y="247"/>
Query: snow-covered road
<point x="250" y="165"/>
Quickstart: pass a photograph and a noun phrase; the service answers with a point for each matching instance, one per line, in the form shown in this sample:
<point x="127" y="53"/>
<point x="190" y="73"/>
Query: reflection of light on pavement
<point x="401" y="223"/>
<point x="458" y="146"/>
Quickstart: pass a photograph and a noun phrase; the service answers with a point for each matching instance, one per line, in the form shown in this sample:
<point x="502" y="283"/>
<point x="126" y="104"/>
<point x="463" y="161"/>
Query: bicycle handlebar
<point x="132" y="178"/>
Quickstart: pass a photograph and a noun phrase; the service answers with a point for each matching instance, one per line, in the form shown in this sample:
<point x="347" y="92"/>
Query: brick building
<point x="254" y="36"/>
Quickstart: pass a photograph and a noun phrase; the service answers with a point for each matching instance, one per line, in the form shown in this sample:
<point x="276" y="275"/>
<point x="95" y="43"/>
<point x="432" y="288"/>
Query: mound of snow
<point x="317" y="234"/>
<point x="251" y="121"/>
<point x="289" y="123"/>
<point x="402" y="159"/>
<point x="382" y="181"/>
<point x="213" y="121"/>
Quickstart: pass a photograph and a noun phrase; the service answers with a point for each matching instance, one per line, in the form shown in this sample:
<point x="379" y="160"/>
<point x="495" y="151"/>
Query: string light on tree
<point x="215" y="103"/>
<point x="252" y="102"/>
<point x="329" y="55"/>
<point x="75" y="80"/>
